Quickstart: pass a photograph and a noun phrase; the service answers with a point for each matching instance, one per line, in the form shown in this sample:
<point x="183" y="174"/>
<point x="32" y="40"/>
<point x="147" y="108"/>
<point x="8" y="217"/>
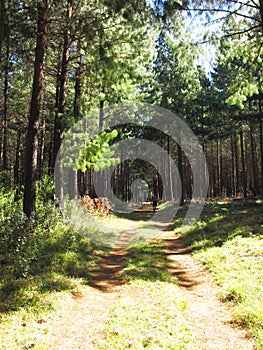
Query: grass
<point x="37" y="301"/>
<point x="149" y="315"/>
<point x="228" y="240"/>
<point x="147" y="262"/>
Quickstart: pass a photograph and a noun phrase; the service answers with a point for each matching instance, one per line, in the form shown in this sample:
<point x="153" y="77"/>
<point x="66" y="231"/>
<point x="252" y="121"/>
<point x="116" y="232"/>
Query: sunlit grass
<point x="148" y="315"/>
<point x="34" y="305"/>
<point x="228" y="239"/>
<point x="147" y="262"/>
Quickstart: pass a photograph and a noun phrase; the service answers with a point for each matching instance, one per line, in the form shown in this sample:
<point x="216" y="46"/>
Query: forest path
<point x="207" y="318"/>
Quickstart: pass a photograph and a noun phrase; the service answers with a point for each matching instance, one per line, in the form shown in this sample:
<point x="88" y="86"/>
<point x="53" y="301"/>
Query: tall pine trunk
<point x="243" y="164"/>
<point x="2" y="25"/>
<point x="73" y="174"/>
<point x="254" y="177"/>
<point x="59" y="126"/>
<point x="17" y="159"/>
<point x="42" y="142"/>
<point x="29" y="203"/>
<point x="3" y="142"/>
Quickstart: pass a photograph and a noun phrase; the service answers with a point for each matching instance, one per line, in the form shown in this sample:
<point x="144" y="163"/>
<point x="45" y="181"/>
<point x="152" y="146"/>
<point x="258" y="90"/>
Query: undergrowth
<point x="40" y="255"/>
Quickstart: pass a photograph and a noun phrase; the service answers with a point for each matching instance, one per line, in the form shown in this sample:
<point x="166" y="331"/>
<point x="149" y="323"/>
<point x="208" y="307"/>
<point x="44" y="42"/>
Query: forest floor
<point x="157" y="295"/>
<point x="208" y="320"/>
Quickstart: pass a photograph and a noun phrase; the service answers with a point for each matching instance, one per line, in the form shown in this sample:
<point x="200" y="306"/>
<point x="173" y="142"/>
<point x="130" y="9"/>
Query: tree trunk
<point x="73" y="184"/>
<point x="243" y="164"/>
<point x="17" y="159"/>
<point x="101" y="119"/>
<point x="180" y="170"/>
<point x="73" y="174"/>
<point x="55" y="142"/>
<point x="59" y="122"/>
<point x="77" y="97"/>
<point x="3" y="144"/>
<point x="237" y="177"/>
<point x="59" y="125"/>
<point x="254" y="176"/>
<point x="65" y="58"/>
<point x="29" y="204"/>
<point x="219" y="167"/>
<point x="2" y="25"/>
<point x="170" y="180"/>
<point x="233" y="172"/>
<point x="42" y="143"/>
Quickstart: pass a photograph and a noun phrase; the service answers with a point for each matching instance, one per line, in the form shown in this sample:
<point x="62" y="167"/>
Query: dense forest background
<point x="60" y="60"/>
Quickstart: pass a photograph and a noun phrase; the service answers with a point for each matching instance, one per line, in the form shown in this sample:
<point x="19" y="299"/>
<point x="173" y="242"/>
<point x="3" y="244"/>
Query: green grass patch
<point x="228" y="240"/>
<point x="147" y="262"/>
<point x="30" y="326"/>
<point x="148" y="315"/>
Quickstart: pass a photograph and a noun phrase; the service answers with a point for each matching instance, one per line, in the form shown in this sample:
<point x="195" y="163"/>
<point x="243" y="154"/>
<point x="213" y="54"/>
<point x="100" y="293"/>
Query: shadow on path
<point x="110" y="273"/>
<point x="186" y="273"/>
<point x="150" y="261"/>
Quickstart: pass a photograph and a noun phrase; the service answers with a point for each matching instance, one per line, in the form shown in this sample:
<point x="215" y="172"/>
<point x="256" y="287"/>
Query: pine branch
<point x="225" y="11"/>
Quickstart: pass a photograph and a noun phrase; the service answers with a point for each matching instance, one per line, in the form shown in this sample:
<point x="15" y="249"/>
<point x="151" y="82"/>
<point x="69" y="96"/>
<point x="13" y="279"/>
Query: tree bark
<point x="237" y="177"/>
<point x="244" y="175"/>
<point x="219" y="167"/>
<point x="73" y="174"/>
<point x="233" y="168"/>
<point x="3" y="143"/>
<point x="77" y="97"/>
<point x="2" y="25"/>
<point x="59" y="122"/>
<point x="29" y="203"/>
<point x="169" y="170"/>
<point x="42" y="143"/>
<point x="254" y="177"/>
<point x="17" y="159"/>
<point x="180" y="170"/>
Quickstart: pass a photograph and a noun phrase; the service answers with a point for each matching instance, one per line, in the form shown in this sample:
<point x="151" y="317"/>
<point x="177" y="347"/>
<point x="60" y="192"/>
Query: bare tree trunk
<point x="65" y="58"/>
<point x="233" y="167"/>
<point x="2" y="25"/>
<point x="237" y="177"/>
<point x="101" y="118"/>
<point x="55" y="142"/>
<point x="244" y="175"/>
<point x="77" y="97"/>
<point x="42" y="142"/>
<point x="59" y="126"/>
<point x="170" y="180"/>
<point x="180" y="168"/>
<point x="59" y="123"/>
<point x="73" y="174"/>
<point x="219" y="167"/>
<point x="254" y="179"/>
<point x="17" y="159"/>
<point x="29" y="204"/>
<point x="3" y="143"/>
